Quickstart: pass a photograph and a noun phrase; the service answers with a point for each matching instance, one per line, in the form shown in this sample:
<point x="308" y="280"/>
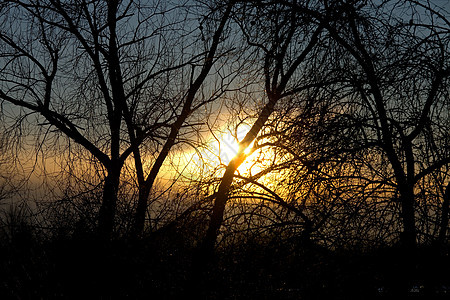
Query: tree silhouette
<point x="340" y="110"/>
<point x="281" y="30"/>
<point x="402" y="88"/>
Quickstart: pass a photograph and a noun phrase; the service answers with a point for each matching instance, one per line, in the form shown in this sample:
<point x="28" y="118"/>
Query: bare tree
<point x="282" y="31"/>
<point x="394" y="72"/>
<point x="402" y="86"/>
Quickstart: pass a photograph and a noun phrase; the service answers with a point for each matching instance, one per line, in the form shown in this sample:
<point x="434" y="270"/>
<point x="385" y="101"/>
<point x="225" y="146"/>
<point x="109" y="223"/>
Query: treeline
<point x="339" y="184"/>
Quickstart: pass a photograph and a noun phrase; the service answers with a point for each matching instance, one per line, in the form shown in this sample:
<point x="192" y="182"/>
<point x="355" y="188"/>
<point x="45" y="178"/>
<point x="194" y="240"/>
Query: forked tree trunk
<point x="145" y="185"/>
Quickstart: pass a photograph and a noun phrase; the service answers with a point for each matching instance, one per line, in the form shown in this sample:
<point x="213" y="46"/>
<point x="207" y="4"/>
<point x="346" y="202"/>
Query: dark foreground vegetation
<point x="159" y="266"/>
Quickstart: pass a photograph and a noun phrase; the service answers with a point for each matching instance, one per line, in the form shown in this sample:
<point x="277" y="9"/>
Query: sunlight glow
<point x="226" y="146"/>
<point x="220" y="148"/>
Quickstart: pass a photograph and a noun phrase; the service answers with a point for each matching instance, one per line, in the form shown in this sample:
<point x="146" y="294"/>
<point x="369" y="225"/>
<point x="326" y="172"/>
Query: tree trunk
<point x="409" y="235"/>
<point x="444" y="217"/>
<point x="141" y="209"/>
<point x="407" y="258"/>
<point x="108" y="208"/>
<point x="207" y="247"/>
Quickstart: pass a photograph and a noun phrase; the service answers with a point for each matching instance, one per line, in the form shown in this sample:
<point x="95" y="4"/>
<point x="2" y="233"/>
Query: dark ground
<point x="160" y="268"/>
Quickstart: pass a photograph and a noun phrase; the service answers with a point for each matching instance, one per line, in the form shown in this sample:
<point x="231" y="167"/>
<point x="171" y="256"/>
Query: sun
<point x="219" y="148"/>
<point x="227" y="144"/>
